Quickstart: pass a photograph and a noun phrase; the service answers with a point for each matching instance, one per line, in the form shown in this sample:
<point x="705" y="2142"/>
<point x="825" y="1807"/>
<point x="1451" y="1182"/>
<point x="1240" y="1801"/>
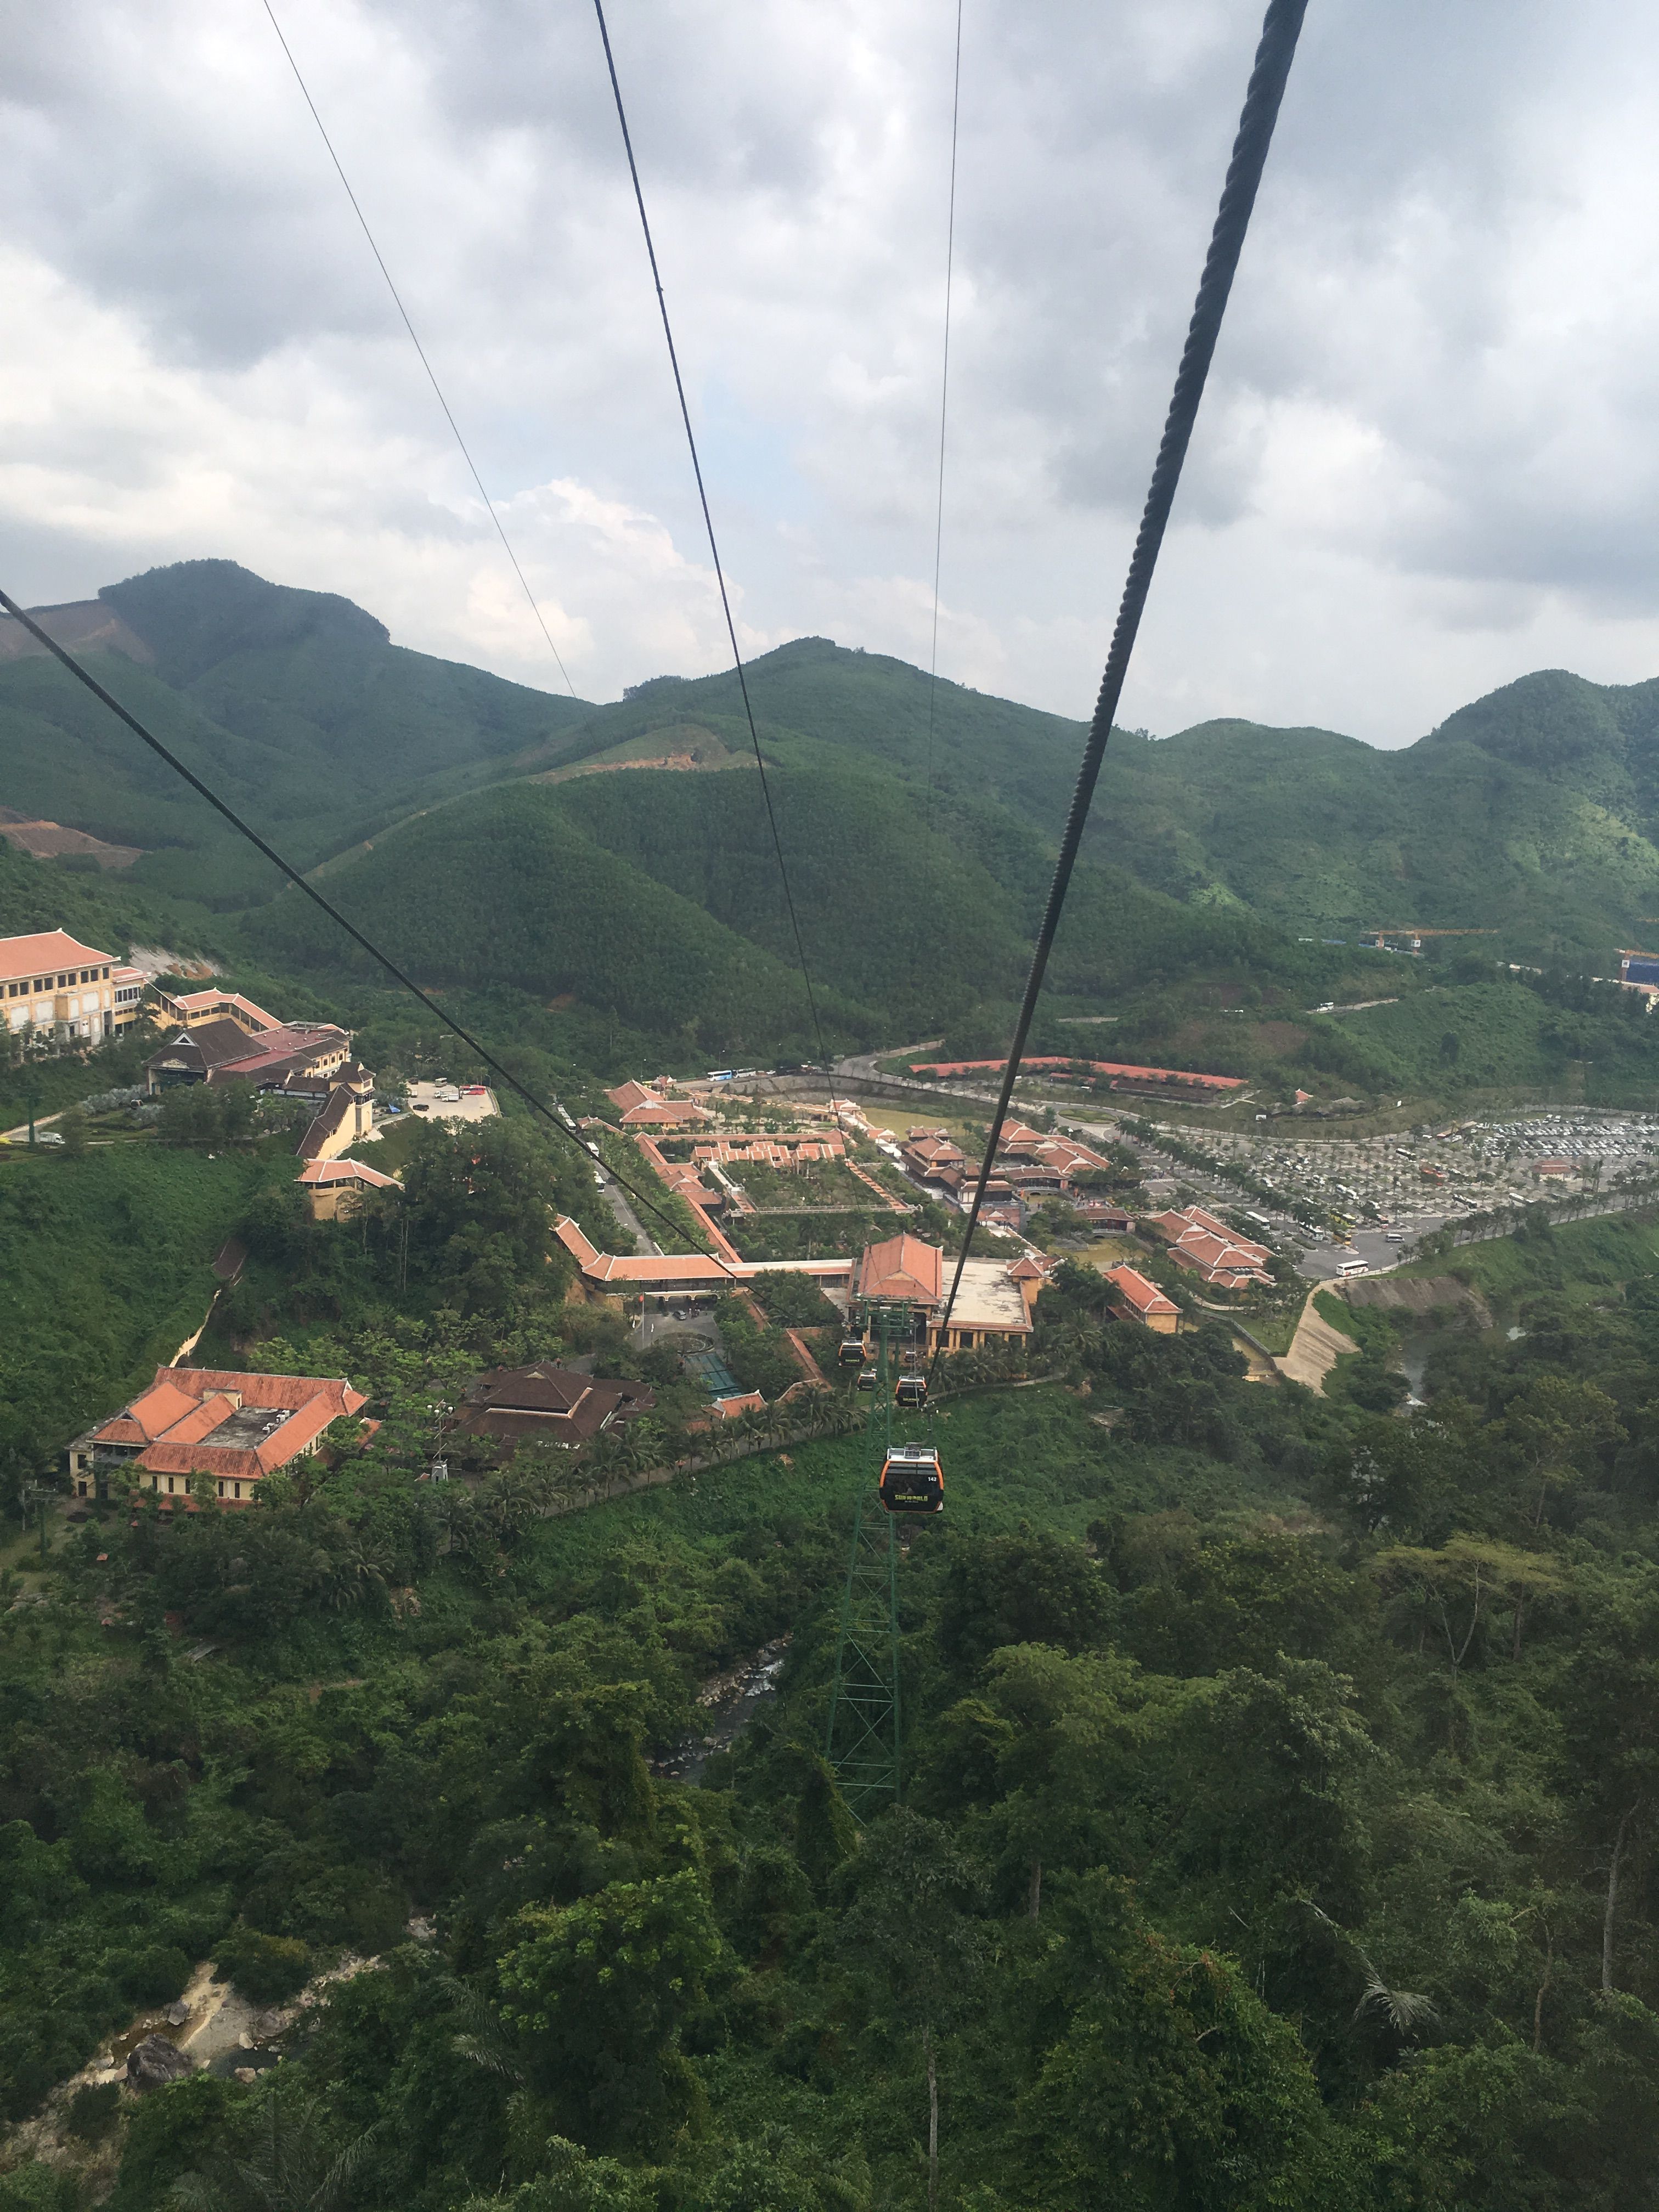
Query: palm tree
<point x="359" y="1571"/>
<point x="290" y="2165"/>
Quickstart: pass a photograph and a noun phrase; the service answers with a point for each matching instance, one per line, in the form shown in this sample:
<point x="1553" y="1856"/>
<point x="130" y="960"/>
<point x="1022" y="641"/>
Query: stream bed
<point x="730" y="1701"/>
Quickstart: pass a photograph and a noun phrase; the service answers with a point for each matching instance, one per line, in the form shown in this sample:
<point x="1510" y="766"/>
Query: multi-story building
<point x="190" y="1009"/>
<point x="130" y="984"/>
<point x="195" y="1422"/>
<point x="55" y="991"/>
<point x="222" y="1051"/>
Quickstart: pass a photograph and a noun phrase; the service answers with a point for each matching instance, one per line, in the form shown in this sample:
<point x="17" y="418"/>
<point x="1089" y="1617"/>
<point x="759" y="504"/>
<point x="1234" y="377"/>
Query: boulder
<point x="156" y="2061"/>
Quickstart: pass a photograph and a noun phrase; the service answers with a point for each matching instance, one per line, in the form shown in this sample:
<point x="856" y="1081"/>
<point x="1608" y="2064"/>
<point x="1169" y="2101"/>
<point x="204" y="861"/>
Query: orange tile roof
<point x="46" y="949"/>
<point x="324" y="1171"/>
<point x="902" y="1267"/>
<point x="1145" y="1297"/>
<point x="575" y="1240"/>
<point x="175" y="1419"/>
<point x="161" y="1406"/>
<point x="662" y="1113"/>
<point x="630" y="1094"/>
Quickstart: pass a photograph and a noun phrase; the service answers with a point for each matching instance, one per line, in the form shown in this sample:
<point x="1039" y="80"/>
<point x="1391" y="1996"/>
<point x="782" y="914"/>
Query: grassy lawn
<point x="819" y="1182"/>
<point x="389" y="1149"/>
<point x="1275" y="1330"/>
<point x="1111" y="1252"/>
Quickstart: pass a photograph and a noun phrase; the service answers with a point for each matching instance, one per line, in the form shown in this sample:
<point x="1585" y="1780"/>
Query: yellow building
<point x="130" y="984"/>
<point x="55" y="991"/>
<point x="191" y="1009"/>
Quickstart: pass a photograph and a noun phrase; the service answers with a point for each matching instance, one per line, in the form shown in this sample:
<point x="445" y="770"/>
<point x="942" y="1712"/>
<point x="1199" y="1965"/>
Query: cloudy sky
<point x="1428" y="458"/>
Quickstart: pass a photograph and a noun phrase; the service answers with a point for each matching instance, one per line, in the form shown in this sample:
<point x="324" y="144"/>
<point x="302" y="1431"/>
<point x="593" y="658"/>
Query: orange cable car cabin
<point x="911" y="1480"/>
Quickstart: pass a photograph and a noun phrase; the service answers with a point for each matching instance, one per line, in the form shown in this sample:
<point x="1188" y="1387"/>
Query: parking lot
<point x="1394" y="1189"/>
<point x="453" y="1102"/>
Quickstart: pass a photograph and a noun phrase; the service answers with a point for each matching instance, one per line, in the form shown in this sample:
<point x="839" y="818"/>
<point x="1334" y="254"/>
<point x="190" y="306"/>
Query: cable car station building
<point x="993" y="1303"/>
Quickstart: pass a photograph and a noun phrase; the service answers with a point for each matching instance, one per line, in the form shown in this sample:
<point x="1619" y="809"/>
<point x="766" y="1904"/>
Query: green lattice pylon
<point x="864" y="1743"/>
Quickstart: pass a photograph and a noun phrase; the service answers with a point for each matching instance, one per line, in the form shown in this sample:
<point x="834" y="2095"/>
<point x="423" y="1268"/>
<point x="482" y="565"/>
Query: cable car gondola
<point x="851" y="1353"/>
<point x="911" y="1480"/>
<point x="868" y="1379"/>
<point x="912" y="1392"/>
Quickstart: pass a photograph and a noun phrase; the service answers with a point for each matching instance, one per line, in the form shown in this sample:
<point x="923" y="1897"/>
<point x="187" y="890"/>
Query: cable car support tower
<point x="864" y="1742"/>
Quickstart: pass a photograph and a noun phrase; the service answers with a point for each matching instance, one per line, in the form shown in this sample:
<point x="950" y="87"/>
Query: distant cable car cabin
<point x="868" y="1379"/>
<point x="912" y="1391"/>
<point x="911" y="1480"/>
<point x="851" y="1353"/>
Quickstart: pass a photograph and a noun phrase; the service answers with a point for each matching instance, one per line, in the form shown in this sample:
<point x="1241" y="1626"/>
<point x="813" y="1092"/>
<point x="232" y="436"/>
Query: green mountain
<point x="620" y="855"/>
<point x="1533" y="813"/>
<point x="295" y="705"/>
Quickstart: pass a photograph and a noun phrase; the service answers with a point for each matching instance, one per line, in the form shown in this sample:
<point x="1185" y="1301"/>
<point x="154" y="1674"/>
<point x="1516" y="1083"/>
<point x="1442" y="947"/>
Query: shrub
<point x="153" y="1976"/>
<point x="37" y="2188"/>
<point x="93" y="2111"/>
<point x="266" y="1969"/>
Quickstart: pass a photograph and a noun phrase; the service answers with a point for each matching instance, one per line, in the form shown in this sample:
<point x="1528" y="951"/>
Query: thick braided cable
<point x="1280" y="30"/>
<point x="550" y="1115"/>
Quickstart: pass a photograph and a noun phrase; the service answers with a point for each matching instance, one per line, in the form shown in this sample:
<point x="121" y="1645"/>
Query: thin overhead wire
<point x="713" y="547"/>
<point x="397" y="301"/>
<point x="1280" y="30"/>
<point x="554" y="1119"/>
<point x="943" y="409"/>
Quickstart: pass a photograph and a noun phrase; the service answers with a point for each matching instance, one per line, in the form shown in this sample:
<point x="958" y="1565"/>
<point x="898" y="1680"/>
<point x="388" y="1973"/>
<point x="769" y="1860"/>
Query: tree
<point x="599" y="1992"/>
<point x="910" y="1934"/>
<point x="1558" y="1428"/>
<point x="72" y="1127"/>
<point x="287" y="2162"/>
<point x="1454" y="1587"/>
<point x="1170" y="2075"/>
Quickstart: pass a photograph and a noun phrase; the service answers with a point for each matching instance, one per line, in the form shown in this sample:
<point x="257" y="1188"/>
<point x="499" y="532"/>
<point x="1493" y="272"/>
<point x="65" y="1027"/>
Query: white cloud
<point x="1428" y="458"/>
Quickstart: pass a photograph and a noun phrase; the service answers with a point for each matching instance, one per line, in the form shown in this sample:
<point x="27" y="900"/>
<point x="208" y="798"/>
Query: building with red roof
<point x="901" y="1268"/>
<point x="222" y="1051"/>
<point x="1132" y="1298"/>
<point x="54" y="987"/>
<point x="1198" y="1241"/>
<point x="191" y="1009"/>
<point x="335" y="1188"/>
<point x="203" y="1421"/>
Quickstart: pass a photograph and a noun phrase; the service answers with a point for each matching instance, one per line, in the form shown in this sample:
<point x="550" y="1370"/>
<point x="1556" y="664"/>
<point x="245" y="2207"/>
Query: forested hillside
<point x="646" y="899"/>
<point x="293" y="704"/>
<point x="1278" y="1829"/>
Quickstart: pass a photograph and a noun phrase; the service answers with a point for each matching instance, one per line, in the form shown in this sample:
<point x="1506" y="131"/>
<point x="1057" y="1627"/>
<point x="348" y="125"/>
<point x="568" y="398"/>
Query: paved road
<point x="19" y="1135"/>
<point x="627" y="1220"/>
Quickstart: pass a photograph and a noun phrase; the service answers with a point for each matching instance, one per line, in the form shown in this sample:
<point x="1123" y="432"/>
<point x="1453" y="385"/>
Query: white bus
<point x="1353" y="1267"/>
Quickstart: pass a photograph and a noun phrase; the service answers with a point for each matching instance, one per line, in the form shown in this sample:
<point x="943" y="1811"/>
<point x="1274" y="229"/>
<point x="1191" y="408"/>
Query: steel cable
<point x="943" y="404"/>
<point x="84" y="676"/>
<point x="713" y="548"/>
<point x="1269" y="74"/>
<point x="397" y="301"/>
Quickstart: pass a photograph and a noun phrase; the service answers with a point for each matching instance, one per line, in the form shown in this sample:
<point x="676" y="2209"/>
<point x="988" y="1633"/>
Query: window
<point x="222" y="1486"/>
<point x="169" y="1486"/>
<point x="238" y="1489"/>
